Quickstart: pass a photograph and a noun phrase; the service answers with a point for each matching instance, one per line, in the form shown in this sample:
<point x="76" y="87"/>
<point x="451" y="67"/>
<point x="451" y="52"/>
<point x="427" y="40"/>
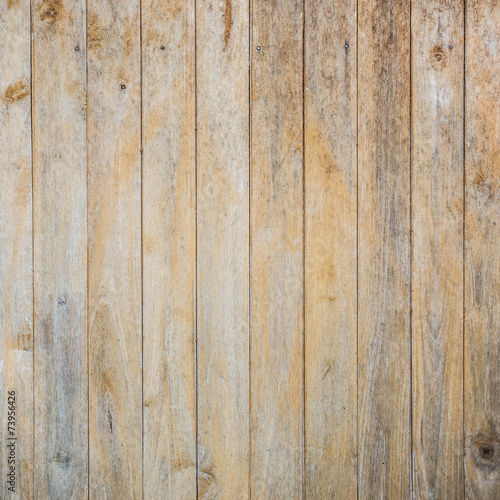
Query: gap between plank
<point x="196" y="243"/>
<point x="357" y="260"/>
<point x="357" y="257"/>
<point x="142" y="240"/>
<point x="87" y="218"/>
<point x="304" y="446"/>
<point x="32" y="61"/>
<point x="250" y="45"/>
<point x="463" y="243"/>
<point x="411" y="260"/>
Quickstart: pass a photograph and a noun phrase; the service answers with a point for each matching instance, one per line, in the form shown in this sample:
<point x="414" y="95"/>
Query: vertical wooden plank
<point x="16" y="275"/>
<point x="60" y="244"/>
<point x="169" y="249"/>
<point x="277" y="294"/>
<point x="330" y="248"/>
<point x="384" y="248"/>
<point x="437" y="262"/>
<point x="114" y="141"/>
<point x="482" y="257"/>
<point x="222" y="33"/>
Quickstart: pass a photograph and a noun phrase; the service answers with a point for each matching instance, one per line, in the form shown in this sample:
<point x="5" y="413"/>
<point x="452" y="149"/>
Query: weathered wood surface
<point x="249" y="248"/>
<point x="114" y="249"/>
<point x="437" y="250"/>
<point x="222" y="90"/>
<point x="384" y="248"/>
<point x="168" y="89"/>
<point x="330" y="248"/>
<point x="60" y="249"/>
<point x="482" y="256"/>
<point x="16" y="276"/>
<point x="277" y="289"/>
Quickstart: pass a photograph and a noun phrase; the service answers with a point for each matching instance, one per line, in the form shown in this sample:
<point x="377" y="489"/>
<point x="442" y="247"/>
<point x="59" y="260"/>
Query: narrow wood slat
<point x="223" y="247"/>
<point x="482" y="256"/>
<point x="277" y="292"/>
<point x="16" y="276"/>
<point x="114" y="191"/>
<point x="169" y="250"/>
<point x="60" y="245"/>
<point x="330" y="249"/>
<point x="437" y="265"/>
<point x="384" y="248"/>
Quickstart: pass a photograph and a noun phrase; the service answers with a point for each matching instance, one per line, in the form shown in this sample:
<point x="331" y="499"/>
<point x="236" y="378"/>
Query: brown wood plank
<point x="482" y="256"/>
<point x="384" y="248"/>
<point x="277" y="292"/>
<point x="16" y="253"/>
<point x="169" y="250"/>
<point x="222" y="34"/>
<point x="60" y="245"/>
<point x="330" y="249"/>
<point x="114" y="191"/>
<point x="437" y="263"/>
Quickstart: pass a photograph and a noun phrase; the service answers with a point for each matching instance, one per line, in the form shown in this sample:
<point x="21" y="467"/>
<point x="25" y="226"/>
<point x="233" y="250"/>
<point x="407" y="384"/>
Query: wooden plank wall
<point x="249" y="249"/>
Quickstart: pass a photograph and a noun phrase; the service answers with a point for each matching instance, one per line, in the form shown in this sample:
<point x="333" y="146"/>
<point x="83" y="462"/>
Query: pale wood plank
<point x="384" y="248"/>
<point x="114" y="140"/>
<point x="169" y="250"/>
<point x="437" y="265"/>
<point x="222" y="32"/>
<point x="482" y="256"/>
<point x="16" y="274"/>
<point x="277" y="292"/>
<point x="330" y="251"/>
<point x="60" y="244"/>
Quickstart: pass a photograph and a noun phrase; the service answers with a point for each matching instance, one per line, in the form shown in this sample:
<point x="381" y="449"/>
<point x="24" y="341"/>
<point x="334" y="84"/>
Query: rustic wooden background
<point x="250" y="248"/>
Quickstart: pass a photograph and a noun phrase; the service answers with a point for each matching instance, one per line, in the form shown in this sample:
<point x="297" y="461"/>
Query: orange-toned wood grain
<point x="482" y="240"/>
<point x="169" y="252"/>
<point x="277" y="287"/>
<point x="249" y="248"/>
<point x="437" y="264"/>
<point x="222" y="88"/>
<point x="384" y="248"/>
<point x="114" y="249"/>
<point x="330" y="249"/>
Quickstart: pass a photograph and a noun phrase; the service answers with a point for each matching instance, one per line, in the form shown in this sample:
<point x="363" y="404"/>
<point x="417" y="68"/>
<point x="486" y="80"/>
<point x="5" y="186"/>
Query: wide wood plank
<point x="114" y="191"/>
<point x="384" y="248"/>
<point x="277" y="292"/>
<point x="16" y="275"/>
<point x="60" y="244"/>
<point x="169" y="249"/>
<point x="437" y="265"/>
<point x="222" y="35"/>
<point x="330" y="249"/>
<point x="482" y="256"/>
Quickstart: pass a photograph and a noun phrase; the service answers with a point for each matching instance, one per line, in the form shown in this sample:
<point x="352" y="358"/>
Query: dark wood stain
<point x="17" y="91"/>
<point x="228" y="21"/>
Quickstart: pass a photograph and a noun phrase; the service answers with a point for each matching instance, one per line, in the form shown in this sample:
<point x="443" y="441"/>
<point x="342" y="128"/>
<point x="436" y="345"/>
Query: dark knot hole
<point x="487" y="452"/>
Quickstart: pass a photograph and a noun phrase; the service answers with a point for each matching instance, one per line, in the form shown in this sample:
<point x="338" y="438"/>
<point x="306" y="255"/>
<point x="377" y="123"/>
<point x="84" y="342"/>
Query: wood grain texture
<point x="249" y="248"/>
<point x="60" y="249"/>
<point x="277" y="291"/>
<point x="482" y="257"/>
<point x="16" y="254"/>
<point x="384" y="248"/>
<point x="222" y="34"/>
<point x="330" y="249"/>
<point x="437" y="265"/>
<point x="115" y="302"/>
<point x="169" y="250"/>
